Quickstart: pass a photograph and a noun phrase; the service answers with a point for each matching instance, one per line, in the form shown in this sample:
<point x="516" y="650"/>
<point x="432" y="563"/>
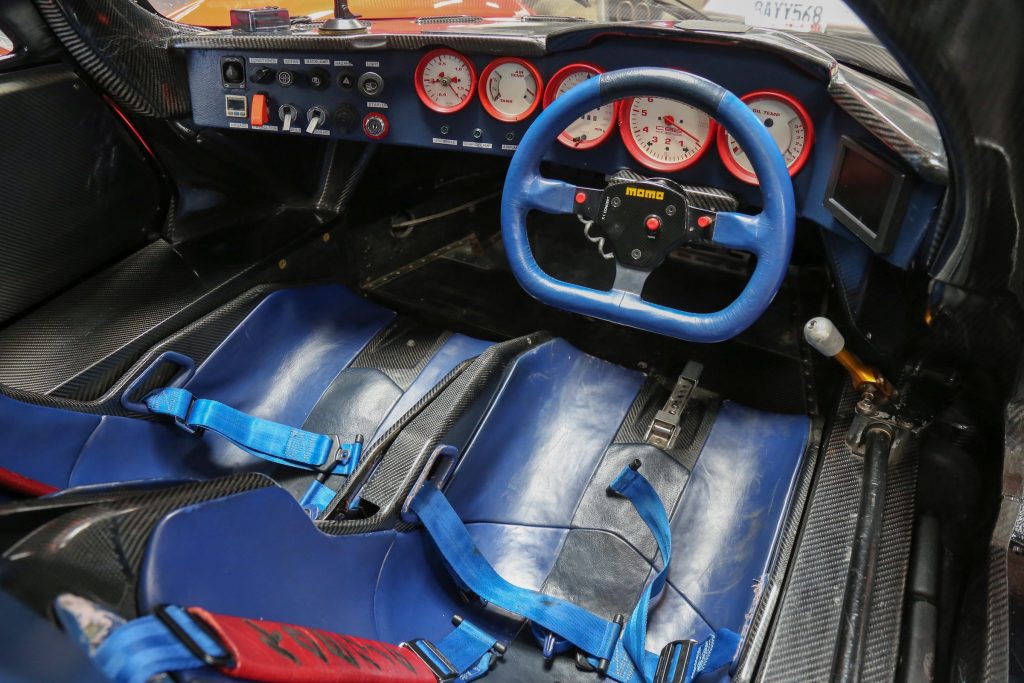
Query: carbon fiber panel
<point x="122" y="46"/>
<point x="401" y="351"/>
<point x="76" y="192"/>
<point x="802" y="643"/>
<point x="197" y="341"/>
<point x="100" y="549"/>
<point x="75" y="345"/>
<point x="402" y="462"/>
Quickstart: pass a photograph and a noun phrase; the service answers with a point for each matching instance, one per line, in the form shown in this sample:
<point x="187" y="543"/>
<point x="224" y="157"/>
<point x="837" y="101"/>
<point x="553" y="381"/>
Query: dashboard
<point x="448" y="97"/>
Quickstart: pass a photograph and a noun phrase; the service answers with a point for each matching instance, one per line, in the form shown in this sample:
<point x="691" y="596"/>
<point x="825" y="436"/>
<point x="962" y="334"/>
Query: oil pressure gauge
<point x="788" y="124"/>
<point x="510" y="89"/>
<point x="590" y="129"/>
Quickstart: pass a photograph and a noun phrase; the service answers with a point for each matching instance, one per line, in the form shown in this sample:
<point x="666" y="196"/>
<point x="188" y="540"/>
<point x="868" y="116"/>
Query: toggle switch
<point x="287" y="113"/>
<point x="317" y="117"/>
<point x="259" y="112"/>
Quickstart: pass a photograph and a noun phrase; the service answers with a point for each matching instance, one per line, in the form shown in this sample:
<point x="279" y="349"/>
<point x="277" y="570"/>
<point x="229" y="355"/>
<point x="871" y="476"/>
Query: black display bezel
<point x="881" y="239"/>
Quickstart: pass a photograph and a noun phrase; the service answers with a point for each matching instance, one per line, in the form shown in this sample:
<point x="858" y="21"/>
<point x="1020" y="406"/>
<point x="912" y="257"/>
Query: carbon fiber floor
<point x="802" y="643"/>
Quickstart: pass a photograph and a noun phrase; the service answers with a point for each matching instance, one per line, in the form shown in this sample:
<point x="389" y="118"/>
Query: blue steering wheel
<point x="646" y="219"/>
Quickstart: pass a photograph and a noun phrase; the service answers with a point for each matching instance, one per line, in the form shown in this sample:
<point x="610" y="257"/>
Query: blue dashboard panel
<point x="472" y="129"/>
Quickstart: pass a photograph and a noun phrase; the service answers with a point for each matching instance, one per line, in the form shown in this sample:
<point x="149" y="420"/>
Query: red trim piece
<point x="794" y="168"/>
<point x="421" y="91"/>
<point x="12" y="481"/>
<point x="272" y="652"/>
<point x="626" y="133"/>
<point x="485" y="98"/>
<point x="127" y="122"/>
<point x="549" y="96"/>
<point x="379" y="115"/>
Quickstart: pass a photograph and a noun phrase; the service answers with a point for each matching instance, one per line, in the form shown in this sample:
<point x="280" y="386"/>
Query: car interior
<point x="393" y="319"/>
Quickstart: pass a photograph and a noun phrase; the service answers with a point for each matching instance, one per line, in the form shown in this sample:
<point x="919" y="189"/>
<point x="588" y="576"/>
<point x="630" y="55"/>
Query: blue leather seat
<point x="531" y="488"/>
<point x="290" y="356"/>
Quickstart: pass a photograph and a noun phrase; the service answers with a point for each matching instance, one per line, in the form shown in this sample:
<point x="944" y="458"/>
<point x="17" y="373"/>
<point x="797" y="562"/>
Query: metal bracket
<point x="664" y="429"/>
<point x="867" y="415"/>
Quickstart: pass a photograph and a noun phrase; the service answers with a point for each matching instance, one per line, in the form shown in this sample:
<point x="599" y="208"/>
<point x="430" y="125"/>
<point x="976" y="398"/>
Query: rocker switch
<point x="259" y="112"/>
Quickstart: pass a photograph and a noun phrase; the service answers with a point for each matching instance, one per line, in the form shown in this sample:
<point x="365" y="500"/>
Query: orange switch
<point x="259" y="112"/>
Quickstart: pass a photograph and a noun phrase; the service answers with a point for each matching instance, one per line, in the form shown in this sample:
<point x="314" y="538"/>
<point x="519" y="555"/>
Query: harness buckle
<point x="432" y="657"/>
<point x="222" y="660"/>
<point x="674" y="661"/>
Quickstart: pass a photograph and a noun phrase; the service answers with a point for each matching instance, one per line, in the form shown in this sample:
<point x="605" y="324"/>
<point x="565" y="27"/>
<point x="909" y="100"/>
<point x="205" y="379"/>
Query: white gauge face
<point x="446" y="80"/>
<point x="786" y="124"/>
<point x="664" y="134"/>
<point x="510" y="90"/>
<point x="591" y="128"/>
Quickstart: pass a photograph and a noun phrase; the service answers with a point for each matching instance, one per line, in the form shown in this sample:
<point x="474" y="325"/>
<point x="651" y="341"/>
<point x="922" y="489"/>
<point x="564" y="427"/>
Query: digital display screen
<point x="863" y="188"/>
<point x="868" y="195"/>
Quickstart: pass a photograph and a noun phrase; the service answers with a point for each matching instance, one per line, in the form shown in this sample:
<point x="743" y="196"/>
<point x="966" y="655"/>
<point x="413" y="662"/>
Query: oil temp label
<point x="445" y="141"/>
<point x="477" y="145"/>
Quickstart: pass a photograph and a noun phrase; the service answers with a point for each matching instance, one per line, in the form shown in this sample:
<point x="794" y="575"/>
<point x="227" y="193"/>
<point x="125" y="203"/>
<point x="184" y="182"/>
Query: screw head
<point x="616" y="201"/>
<point x="477" y="133"/>
<point x="636" y="254"/>
<point x="444" y="130"/>
<point x="670" y="210"/>
<point x="510" y="136"/>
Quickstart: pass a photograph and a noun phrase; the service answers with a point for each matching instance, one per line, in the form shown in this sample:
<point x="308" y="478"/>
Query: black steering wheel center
<point x="645" y="219"/>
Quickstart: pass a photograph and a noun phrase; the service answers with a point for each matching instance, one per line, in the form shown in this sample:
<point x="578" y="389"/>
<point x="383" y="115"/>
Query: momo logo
<point x="644" y="193"/>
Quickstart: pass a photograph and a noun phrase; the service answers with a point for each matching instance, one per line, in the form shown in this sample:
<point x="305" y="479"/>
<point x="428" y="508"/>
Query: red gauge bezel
<point x="387" y="125"/>
<point x="634" y="149"/>
<point x="490" y="108"/>
<point x="422" y="92"/>
<point x="799" y="163"/>
<point x="549" y="97"/>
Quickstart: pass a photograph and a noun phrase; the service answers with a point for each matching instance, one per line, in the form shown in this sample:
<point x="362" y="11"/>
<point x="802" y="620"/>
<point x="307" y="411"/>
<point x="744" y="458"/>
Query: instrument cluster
<point x="660" y="134"/>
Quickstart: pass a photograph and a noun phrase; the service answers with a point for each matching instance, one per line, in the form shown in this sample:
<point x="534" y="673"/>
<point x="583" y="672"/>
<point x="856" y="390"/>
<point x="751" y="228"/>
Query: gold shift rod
<point x="823" y="336"/>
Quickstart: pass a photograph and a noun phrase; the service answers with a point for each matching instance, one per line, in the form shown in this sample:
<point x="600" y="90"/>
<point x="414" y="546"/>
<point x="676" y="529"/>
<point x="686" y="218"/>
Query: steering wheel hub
<point x="644" y="220"/>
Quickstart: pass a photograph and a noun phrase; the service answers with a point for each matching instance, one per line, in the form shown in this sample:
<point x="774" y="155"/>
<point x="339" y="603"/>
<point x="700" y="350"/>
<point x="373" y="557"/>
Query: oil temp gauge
<point x="510" y="89"/>
<point x="788" y="124"/>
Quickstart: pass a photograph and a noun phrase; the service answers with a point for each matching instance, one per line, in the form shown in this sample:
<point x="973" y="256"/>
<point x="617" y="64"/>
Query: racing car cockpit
<point x="522" y="340"/>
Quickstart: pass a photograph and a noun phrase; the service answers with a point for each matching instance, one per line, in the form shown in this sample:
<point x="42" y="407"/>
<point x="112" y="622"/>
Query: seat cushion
<point x="532" y="490"/>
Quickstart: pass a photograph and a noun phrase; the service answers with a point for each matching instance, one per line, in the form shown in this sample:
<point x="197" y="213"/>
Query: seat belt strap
<point x="177" y="639"/>
<point x="273" y="441"/>
<point x="622" y="658"/>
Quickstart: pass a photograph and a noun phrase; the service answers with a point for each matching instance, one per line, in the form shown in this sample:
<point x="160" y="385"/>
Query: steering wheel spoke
<point x="630" y="280"/>
<point x="556" y="196"/>
<point x="738" y="231"/>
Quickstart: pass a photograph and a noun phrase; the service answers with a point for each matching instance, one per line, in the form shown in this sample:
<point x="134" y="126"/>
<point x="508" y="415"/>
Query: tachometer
<point x="445" y="80"/>
<point x="510" y="89"/>
<point x="663" y="134"/>
<point x="594" y="127"/>
<point x="787" y="122"/>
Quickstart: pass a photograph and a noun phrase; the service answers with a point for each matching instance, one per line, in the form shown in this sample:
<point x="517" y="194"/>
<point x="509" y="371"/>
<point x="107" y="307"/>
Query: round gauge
<point x="510" y="89"/>
<point x="445" y="80"/>
<point x="594" y="127"/>
<point x="787" y="122"/>
<point x="663" y="134"/>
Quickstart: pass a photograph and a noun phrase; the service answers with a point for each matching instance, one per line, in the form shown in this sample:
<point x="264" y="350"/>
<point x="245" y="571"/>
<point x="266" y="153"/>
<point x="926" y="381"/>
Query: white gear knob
<point x="823" y="336"/>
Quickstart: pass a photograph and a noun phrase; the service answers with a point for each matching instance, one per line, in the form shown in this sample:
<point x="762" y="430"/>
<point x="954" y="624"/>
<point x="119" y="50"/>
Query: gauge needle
<point x="671" y="121"/>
